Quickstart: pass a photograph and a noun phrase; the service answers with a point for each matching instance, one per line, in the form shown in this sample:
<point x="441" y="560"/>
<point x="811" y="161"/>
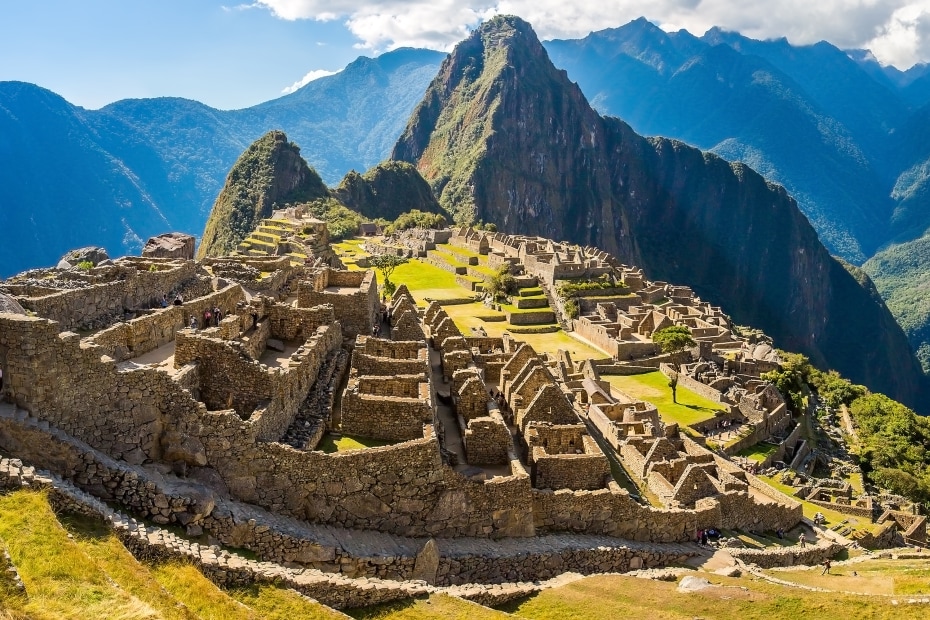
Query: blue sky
<point x="233" y="55"/>
<point x="93" y="52"/>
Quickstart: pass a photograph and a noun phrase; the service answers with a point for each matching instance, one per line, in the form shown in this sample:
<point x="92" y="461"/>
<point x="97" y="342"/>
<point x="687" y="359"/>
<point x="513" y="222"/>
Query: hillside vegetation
<point x="269" y="174"/>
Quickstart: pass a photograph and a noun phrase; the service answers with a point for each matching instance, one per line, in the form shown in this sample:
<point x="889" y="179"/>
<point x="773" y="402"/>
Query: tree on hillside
<point x="674" y="339"/>
<point x="793" y="374"/>
<point x="501" y="284"/>
<point x="386" y="264"/>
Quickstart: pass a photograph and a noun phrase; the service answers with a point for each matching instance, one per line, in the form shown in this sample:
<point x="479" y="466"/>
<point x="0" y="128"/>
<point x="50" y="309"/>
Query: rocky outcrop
<point x="92" y="255"/>
<point x="503" y="136"/>
<point x="386" y="191"/>
<point x="269" y="173"/>
<point x="170" y="245"/>
<point x="10" y="305"/>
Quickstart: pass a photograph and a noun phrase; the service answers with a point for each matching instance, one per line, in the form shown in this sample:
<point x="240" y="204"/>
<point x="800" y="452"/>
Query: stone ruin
<point x="292" y="232"/>
<point x="216" y="426"/>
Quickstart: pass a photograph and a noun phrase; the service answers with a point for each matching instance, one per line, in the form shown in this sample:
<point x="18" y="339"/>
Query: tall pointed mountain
<point x="270" y="172"/>
<point x="503" y="136"/>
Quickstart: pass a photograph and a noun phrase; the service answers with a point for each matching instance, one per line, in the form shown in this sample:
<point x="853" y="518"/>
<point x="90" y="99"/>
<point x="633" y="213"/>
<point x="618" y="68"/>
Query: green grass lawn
<point x="424" y="280"/>
<point x="438" y="606"/>
<point x="758" y="452"/>
<point x="466" y="316"/>
<point x="61" y="580"/>
<point x="448" y="247"/>
<point x="832" y="516"/>
<point x="274" y="603"/>
<point x="611" y="597"/>
<point x="330" y="444"/>
<point x="653" y="387"/>
<point x="889" y="577"/>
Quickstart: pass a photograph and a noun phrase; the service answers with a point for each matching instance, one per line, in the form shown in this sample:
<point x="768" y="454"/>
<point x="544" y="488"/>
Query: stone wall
<point x="569" y="471"/>
<point x="267" y="397"/>
<point x="387" y="418"/>
<point x="787" y="556"/>
<point x="127" y="285"/>
<point x="487" y="441"/>
<point x="144" y="334"/>
<point x="613" y="512"/>
<point x="367" y="364"/>
<point x="352" y="294"/>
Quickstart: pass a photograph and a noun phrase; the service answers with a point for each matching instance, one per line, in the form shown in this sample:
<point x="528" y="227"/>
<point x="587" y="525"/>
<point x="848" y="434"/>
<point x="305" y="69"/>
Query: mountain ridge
<point x="534" y="156"/>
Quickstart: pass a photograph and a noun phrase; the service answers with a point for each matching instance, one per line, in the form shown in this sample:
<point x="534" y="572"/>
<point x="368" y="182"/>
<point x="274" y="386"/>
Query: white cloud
<point x="241" y="7"/>
<point x="898" y="31"/>
<point x="313" y="75"/>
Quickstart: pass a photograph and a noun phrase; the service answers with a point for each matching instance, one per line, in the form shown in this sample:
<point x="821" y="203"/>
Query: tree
<point x="673" y="383"/>
<point x="674" y="339"/>
<point x="501" y="284"/>
<point x="794" y="373"/>
<point x="386" y="264"/>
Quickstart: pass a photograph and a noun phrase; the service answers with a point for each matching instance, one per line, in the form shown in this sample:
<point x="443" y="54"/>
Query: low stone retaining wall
<point x="225" y="569"/>
<point x="531" y="318"/>
<point x="787" y="556"/>
<point x="362" y="554"/>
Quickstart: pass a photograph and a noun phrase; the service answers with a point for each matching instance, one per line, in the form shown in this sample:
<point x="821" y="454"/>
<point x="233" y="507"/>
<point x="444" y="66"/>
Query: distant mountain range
<point x="847" y="138"/>
<point x="113" y="177"/>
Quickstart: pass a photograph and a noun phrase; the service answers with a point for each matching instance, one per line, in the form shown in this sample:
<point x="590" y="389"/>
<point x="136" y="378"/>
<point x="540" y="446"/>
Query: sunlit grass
<point x="61" y="580"/>
<point x="96" y="540"/>
<point x="438" y="606"/>
<point x="274" y="603"/>
<point x="199" y="594"/>
<point x="611" y="597"/>
<point x="653" y="387"/>
<point x="330" y="444"/>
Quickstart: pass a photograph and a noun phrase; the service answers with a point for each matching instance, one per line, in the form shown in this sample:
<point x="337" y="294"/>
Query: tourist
<point x="826" y="567"/>
<point x="164" y="301"/>
<point x="703" y="538"/>
<point x="802" y="540"/>
<point x="178" y="300"/>
<point x="193" y="323"/>
<point x="217" y="315"/>
<point x="780" y="533"/>
<point x="207" y="317"/>
<point x="1" y="379"/>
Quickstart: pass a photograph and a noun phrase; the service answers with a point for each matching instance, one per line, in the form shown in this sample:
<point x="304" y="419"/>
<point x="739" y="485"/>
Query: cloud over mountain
<point x="898" y="31"/>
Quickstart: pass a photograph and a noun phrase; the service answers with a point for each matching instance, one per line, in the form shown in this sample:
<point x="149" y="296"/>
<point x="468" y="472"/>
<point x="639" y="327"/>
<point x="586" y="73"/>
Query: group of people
<point x="722" y="426"/>
<point x="705" y="534"/>
<point x="210" y="317"/>
<point x="178" y="300"/>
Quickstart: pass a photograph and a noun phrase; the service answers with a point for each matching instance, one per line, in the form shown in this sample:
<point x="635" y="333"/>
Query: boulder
<point x="693" y="584"/>
<point x="426" y="565"/>
<point x="10" y="305"/>
<point x="89" y="254"/>
<point x="170" y="245"/>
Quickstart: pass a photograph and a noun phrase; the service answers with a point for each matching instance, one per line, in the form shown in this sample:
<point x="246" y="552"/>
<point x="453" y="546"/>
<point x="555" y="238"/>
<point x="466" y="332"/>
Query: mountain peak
<point x="269" y="173"/>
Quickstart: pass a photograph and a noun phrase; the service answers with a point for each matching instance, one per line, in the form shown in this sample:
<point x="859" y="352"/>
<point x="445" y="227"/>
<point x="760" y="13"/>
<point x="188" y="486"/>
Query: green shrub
<point x="567" y="290"/>
<point x="85" y="265"/>
<point x="571" y="309"/>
